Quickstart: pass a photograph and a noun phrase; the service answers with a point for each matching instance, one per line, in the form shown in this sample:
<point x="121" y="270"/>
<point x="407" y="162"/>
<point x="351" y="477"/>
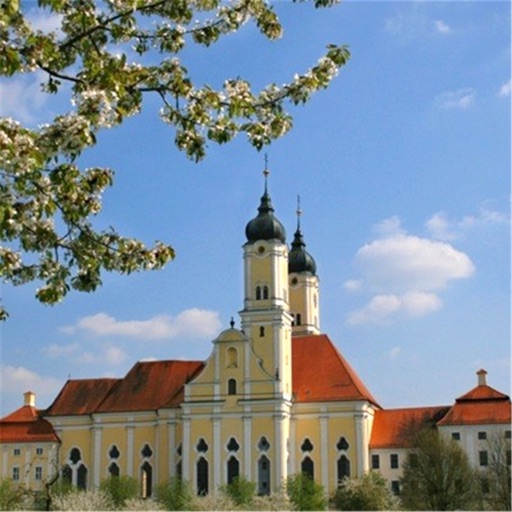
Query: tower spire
<point x="266" y="172"/>
<point x="299" y="212"/>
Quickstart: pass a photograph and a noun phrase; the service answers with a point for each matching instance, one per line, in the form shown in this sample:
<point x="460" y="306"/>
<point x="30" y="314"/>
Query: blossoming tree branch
<point x="100" y="53"/>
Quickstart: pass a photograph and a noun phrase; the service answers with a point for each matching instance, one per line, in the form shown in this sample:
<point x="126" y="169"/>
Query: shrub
<point x="142" y="504"/>
<point x="120" y="489"/>
<point x="219" y="501"/>
<point x="369" y="492"/>
<point x="240" y="490"/>
<point x="274" y="501"/>
<point x="13" y="496"/>
<point x="305" y="493"/>
<point x="83" y="500"/>
<point x="175" y="494"/>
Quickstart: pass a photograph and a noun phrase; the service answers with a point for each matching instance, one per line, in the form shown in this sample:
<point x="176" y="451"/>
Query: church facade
<point x="274" y="398"/>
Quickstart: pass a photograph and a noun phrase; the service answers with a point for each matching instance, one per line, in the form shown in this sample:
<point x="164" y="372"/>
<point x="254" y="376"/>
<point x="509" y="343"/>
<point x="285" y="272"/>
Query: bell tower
<point x="303" y="285"/>
<point x="266" y="320"/>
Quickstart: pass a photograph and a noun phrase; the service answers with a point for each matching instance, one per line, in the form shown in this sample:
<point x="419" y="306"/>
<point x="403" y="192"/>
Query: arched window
<point x="113" y="453"/>
<point x="146" y="479"/>
<point x="233" y="445"/>
<point x="202" y="476"/>
<point x="263" y="475"/>
<point x="231" y="357"/>
<point x="75" y="455"/>
<point x="263" y="444"/>
<point x="265" y="292"/>
<point x="306" y="445"/>
<point x="308" y="467"/>
<point x="258" y="292"/>
<point x="342" y="444"/>
<point x="202" y="447"/>
<point x="81" y="477"/>
<point x="262" y="331"/>
<point x="343" y="468"/>
<point x="146" y="451"/>
<point x="113" y="469"/>
<point x="298" y="319"/>
<point x="232" y="387"/>
<point x="67" y="475"/>
<point x="233" y="469"/>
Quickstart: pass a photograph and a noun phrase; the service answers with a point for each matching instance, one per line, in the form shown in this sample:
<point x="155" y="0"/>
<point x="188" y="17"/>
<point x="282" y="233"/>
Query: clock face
<point x="261" y="249"/>
<point x="294" y="281"/>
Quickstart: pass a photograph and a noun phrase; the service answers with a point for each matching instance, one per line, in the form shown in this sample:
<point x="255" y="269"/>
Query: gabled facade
<point x="29" y="445"/>
<point x="274" y="398"/>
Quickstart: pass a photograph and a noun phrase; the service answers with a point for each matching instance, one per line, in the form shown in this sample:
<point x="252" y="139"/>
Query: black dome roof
<point x="265" y="226"/>
<point x="299" y="260"/>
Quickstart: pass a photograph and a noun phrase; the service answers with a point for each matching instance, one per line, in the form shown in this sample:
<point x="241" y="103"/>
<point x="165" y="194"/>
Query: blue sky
<point x="403" y="168"/>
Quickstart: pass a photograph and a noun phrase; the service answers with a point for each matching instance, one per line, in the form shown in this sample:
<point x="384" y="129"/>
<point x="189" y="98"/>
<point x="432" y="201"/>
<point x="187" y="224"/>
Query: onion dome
<point x="265" y="226"/>
<point x="299" y="260"/>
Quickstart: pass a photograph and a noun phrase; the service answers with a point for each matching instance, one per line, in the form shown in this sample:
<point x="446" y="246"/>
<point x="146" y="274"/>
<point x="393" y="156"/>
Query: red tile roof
<point x="151" y="386"/>
<point x="25" y="425"/>
<point x="81" y="396"/>
<point x="392" y="428"/>
<point x="147" y="386"/>
<point x="481" y="405"/>
<point x="320" y="373"/>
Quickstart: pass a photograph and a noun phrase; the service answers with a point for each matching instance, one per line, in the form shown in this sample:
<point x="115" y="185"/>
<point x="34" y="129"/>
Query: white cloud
<point x="26" y="99"/>
<point x="443" y="228"/>
<point x="16" y="380"/>
<point x="191" y="323"/>
<point x="457" y="100"/>
<point x="404" y="273"/>
<point x="383" y="308"/>
<point x="411" y="23"/>
<point x="442" y="27"/>
<point x="44" y="20"/>
<point x="390" y="226"/>
<point x="56" y="350"/>
<point x="353" y="285"/>
<point x="401" y="263"/>
<point x="111" y="355"/>
<point x="505" y="89"/>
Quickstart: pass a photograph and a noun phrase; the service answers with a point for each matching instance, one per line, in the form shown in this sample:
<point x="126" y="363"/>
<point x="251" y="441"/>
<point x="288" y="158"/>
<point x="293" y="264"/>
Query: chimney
<point x="482" y="377"/>
<point x="29" y="398"/>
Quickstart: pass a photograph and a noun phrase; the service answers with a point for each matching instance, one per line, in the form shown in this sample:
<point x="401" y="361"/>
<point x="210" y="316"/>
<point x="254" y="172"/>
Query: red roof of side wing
<point x="393" y="428"/>
<point x="151" y="386"/>
<point x="81" y="397"/>
<point x="25" y="425"/>
<point x="481" y="405"/>
<point x="320" y="373"/>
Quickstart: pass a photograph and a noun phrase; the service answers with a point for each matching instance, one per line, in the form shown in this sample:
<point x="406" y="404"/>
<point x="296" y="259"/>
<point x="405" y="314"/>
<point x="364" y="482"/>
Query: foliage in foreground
<point x="437" y="475"/>
<point x="120" y="489"/>
<point x="106" y="56"/>
<point x="13" y="496"/>
<point x="305" y="493"/>
<point x="176" y="494"/>
<point x="369" y="492"/>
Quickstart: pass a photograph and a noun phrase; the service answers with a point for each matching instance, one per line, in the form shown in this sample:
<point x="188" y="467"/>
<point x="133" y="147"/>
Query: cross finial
<point x="299" y="212"/>
<point x="266" y="172"/>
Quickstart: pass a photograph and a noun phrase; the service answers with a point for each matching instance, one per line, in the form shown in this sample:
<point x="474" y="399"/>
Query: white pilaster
<point x="247" y="420"/>
<point x="129" y="450"/>
<point x="186" y="451"/>
<point x="324" y="452"/>
<point x="171" y="443"/>
<point x="217" y="452"/>
<point x="97" y="456"/>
